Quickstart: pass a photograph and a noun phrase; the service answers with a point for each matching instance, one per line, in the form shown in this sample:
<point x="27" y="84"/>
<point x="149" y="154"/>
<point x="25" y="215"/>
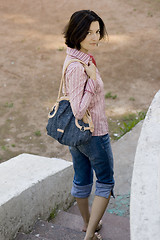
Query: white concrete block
<point x="32" y="187"/>
<point x="145" y="188"/>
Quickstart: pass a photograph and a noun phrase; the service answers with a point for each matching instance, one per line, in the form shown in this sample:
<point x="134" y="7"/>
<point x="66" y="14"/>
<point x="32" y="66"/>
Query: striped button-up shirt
<point x="85" y="94"/>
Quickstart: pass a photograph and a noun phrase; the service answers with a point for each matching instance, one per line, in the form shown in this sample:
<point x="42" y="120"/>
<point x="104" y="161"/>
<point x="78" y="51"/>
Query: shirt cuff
<point x="90" y="86"/>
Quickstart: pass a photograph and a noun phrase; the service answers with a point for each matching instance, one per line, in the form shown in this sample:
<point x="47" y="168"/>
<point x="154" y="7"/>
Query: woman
<point x="85" y="90"/>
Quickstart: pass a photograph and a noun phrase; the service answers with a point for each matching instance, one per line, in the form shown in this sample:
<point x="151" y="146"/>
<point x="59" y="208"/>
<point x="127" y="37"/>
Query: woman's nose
<point x="94" y="36"/>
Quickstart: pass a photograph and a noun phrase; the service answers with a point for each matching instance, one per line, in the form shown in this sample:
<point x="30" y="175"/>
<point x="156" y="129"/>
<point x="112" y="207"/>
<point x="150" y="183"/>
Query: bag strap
<point x="87" y="117"/>
<point x="62" y="79"/>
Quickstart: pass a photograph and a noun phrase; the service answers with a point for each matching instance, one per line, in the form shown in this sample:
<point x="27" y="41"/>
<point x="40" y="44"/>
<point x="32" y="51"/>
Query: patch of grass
<point x="37" y="133"/>
<point x="109" y="95"/>
<point x="13" y="145"/>
<point x="131" y="99"/>
<point x="150" y="14"/>
<point x="53" y="214"/>
<point x="4" y="148"/>
<point x="8" y="105"/>
<point x="123" y="124"/>
<point x="60" y="49"/>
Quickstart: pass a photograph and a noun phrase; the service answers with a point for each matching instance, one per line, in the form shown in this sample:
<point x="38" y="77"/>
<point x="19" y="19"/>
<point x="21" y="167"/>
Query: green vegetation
<point x="121" y="125"/>
<point x="150" y="14"/>
<point x="37" y="133"/>
<point x="4" y="148"/>
<point x="131" y="99"/>
<point x="60" y="49"/>
<point x="8" y="105"/>
<point x="53" y="214"/>
<point x="109" y="95"/>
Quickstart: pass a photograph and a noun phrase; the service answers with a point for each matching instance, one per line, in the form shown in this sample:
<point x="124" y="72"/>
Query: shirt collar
<point x="78" y="55"/>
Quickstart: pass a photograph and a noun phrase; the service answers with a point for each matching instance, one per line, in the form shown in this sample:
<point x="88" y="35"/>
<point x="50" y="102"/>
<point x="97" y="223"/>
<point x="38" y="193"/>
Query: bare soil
<point x="32" y="54"/>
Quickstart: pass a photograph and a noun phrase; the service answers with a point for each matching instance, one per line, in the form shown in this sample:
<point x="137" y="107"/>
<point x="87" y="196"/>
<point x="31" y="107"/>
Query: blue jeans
<point x="95" y="155"/>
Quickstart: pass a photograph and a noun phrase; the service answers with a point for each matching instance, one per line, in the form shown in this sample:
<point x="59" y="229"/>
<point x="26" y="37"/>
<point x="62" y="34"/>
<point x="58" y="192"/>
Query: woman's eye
<point x="90" y="33"/>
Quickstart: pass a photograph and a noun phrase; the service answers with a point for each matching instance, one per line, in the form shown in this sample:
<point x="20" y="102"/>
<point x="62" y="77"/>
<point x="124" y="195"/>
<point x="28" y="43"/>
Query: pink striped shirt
<point x="85" y="95"/>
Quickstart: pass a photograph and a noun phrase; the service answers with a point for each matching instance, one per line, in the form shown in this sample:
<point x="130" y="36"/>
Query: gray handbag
<point x="63" y="126"/>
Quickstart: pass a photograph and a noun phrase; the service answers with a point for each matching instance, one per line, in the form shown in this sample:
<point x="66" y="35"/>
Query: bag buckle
<point x="82" y="129"/>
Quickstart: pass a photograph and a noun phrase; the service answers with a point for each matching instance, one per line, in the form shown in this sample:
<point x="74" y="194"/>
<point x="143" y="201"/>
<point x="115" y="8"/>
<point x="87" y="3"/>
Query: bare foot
<point x="85" y="227"/>
<point x="96" y="236"/>
<point x="97" y="228"/>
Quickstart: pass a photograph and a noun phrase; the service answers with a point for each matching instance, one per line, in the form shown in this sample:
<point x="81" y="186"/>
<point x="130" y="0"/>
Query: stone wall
<point x="145" y="188"/>
<point x="32" y="187"/>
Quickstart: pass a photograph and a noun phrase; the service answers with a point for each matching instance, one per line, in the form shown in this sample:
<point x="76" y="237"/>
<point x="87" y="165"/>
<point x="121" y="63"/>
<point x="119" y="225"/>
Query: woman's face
<point x="92" y="38"/>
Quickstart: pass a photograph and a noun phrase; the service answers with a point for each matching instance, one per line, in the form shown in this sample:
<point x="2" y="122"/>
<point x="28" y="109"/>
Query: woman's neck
<point x="84" y="50"/>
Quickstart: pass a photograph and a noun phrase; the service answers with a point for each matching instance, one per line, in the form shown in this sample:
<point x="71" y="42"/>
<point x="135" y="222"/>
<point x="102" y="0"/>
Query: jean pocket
<point x="105" y="141"/>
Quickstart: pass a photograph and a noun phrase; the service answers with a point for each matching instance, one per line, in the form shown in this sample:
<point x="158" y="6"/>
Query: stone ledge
<point x="145" y="188"/>
<point x="32" y="187"/>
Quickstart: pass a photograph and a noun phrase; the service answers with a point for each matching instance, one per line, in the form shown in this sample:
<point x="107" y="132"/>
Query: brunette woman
<point x="85" y="89"/>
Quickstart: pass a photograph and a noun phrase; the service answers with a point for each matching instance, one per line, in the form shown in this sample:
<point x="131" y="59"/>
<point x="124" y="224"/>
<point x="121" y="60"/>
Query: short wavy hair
<point x="77" y="28"/>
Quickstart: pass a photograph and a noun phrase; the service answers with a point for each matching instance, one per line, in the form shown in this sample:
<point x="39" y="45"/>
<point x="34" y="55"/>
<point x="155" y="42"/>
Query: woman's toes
<point x="97" y="236"/>
<point x="99" y="226"/>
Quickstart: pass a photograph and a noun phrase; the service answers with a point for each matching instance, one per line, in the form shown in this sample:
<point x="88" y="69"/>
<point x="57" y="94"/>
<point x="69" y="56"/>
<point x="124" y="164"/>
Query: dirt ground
<point x="32" y="54"/>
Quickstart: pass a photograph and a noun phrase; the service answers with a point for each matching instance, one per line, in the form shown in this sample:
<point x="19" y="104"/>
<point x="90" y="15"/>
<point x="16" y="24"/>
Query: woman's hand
<point x="91" y="70"/>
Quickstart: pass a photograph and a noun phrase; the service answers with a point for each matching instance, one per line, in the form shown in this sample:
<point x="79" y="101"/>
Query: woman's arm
<point x="80" y="89"/>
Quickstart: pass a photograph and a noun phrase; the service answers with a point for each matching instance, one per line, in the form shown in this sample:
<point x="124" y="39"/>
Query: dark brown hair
<point x="77" y="28"/>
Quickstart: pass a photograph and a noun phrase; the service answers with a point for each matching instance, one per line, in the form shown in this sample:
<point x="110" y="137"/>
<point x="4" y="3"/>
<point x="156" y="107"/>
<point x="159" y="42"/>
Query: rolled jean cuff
<point x="104" y="190"/>
<point x="81" y="191"/>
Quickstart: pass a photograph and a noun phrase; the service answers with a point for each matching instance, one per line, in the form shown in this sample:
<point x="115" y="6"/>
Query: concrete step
<point x="55" y="232"/>
<point x="74" y="209"/>
<point x="68" y="226"/>
<point x="114" y="227"/>
<point x="44" y="230"/>
<point x="69" y="220"/>
<point x="23" y="236"/>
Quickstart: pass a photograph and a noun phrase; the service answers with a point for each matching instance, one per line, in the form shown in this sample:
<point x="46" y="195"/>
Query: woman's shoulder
<point x="74" y="65"/>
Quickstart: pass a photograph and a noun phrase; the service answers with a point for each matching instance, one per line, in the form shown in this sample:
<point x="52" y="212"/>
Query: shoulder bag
<point x="62" y="125"/>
